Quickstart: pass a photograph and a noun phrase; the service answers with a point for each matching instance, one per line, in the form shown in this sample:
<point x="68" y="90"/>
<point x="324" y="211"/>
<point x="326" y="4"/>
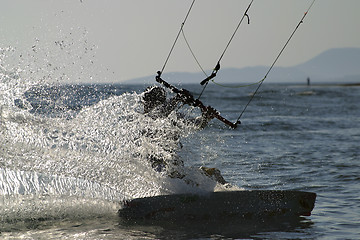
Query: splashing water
<point x="87" y="162"/>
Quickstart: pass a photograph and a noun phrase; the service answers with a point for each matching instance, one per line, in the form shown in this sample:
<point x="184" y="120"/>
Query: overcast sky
<point x="131" y="38"/>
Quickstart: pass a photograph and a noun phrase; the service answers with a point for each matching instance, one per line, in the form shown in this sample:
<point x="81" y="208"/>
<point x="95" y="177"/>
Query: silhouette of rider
<point x="157" y="106"/>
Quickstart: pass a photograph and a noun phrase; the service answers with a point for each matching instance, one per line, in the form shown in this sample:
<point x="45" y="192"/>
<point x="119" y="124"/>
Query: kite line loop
<point x="192" y="53"/>
<point x="217" y="67"/>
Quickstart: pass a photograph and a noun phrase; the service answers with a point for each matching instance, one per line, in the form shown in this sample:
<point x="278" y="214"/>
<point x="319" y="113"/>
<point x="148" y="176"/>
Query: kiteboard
<point x="247" y="204"/>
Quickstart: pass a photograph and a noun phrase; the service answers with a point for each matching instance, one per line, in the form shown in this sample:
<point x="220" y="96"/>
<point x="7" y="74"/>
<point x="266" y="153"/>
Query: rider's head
<point x="153" y="97"/>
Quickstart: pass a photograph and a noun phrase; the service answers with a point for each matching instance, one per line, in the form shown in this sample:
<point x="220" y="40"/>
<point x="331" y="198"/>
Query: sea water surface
<point x="70" y="154"/>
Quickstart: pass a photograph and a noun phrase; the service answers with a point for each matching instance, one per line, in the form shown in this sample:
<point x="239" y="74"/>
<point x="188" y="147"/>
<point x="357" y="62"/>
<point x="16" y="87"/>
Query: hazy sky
<point x="131" y="38"/>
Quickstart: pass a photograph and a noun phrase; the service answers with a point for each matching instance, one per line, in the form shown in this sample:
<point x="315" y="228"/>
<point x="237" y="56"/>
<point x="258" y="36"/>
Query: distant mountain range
<point x="340" y="65"/>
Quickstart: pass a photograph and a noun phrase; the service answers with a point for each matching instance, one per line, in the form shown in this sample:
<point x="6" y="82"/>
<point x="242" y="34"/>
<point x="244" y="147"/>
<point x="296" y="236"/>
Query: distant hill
<point x="334" y="65"/>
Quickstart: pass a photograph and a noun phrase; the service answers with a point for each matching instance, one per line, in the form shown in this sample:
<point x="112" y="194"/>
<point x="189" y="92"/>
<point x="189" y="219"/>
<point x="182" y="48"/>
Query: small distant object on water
<point x="306" y="93"/>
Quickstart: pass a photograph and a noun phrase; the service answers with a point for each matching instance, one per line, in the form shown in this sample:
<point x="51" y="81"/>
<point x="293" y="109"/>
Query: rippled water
<point x="296" y="137"/>
<point x="71" y="153"/>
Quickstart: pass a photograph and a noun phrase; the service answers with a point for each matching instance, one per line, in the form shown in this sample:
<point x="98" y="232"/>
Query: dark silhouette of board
<point x="220" y="205"/>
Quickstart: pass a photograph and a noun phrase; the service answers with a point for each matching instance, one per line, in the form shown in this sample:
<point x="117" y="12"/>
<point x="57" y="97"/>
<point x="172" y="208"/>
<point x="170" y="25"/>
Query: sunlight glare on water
<point x="79" y="162"/>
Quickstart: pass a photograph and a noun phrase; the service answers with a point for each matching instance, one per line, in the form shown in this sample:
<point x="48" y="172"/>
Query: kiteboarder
<point x="156" y="105"/>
